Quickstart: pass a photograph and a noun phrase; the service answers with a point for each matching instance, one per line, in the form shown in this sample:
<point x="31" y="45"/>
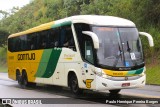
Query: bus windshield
<point x="118" y="47"/>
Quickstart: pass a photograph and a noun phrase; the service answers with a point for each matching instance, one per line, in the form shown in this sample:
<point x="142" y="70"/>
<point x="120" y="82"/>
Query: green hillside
<point x="3" y="57"/>
<point x="144" y="13"/>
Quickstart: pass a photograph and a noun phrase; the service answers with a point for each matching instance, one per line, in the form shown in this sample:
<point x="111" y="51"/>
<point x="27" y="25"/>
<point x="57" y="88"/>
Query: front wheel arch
<point x="69" y="77"/>
<point x="73" y="83"/>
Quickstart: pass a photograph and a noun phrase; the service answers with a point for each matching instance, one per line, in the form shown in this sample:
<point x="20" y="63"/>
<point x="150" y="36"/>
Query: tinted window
<point x="31" y="41"/>
<point x="66" y="38"/>
<point x="53" y="38"/>
<point x="57" y="37"/>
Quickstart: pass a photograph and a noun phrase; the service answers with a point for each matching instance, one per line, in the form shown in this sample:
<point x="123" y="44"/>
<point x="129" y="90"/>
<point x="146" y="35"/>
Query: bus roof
<point x="88" y="19"/>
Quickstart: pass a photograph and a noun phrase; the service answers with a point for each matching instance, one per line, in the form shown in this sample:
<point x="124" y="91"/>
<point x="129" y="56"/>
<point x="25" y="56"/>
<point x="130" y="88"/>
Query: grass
<point x="3" y="57"/>
<point x="3" y="69"/>
<point x="153" y="74"/>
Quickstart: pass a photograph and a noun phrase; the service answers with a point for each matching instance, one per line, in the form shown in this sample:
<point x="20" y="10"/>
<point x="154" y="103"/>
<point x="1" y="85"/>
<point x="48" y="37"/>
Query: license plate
<point x="125" y="84"/>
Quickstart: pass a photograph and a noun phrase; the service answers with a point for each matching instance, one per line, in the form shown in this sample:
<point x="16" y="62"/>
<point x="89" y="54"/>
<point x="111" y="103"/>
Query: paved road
<point x="10" y="89"/>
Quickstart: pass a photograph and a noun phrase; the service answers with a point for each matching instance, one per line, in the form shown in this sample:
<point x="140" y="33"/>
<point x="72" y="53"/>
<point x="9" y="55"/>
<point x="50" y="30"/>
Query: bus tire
<point x="74" y="85"/>
<point x="116" y="91"/>
<point x="24" y="80"/>
<point x="19" y="79"/>
<point x="17" y="74"/>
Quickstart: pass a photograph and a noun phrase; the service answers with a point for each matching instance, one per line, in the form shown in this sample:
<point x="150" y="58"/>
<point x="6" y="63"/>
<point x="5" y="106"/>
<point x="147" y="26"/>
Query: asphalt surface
<point x="59" y="96"/>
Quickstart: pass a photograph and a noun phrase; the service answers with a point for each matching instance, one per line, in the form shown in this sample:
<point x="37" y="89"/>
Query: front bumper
<point x="106" y="84"/>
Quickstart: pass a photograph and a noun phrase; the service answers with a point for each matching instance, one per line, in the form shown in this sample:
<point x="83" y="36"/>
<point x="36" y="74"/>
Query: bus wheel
<point x="19" y="79"/>
<point x="74" y="85"/>
<point x="24" y="81"/>
<point x="116" y="91"/>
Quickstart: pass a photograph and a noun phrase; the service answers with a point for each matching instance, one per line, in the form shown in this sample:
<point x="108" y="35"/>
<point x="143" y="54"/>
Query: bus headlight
<point x="100" y="73"/>
<point x="104" y="75"/>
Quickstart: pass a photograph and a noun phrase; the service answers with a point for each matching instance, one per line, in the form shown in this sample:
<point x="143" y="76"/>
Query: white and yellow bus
<point x="81" y="52"/>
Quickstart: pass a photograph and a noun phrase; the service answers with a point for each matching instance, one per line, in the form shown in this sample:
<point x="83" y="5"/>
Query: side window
<point x="23" y="42"/>
<point x="53" y="38"/>
<point x="17" y="43"/>
<point x="66" y="38"/>
<point x="31" y="41"/>
<point x="56" y="37"/>
<point x="43" y="39"/>
<point x="89" y="50"/>
<point x="85" y="42"/>
<point x="11" y="44"/>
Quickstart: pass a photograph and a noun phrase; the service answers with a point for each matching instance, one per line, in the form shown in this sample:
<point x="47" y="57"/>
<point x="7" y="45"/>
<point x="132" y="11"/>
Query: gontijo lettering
<point x="26" y="56"/>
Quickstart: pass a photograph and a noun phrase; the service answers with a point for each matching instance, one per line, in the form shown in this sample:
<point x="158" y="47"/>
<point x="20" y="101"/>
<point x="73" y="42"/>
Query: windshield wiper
<point x="129" y="50"/>
<point x="118" y="56"/>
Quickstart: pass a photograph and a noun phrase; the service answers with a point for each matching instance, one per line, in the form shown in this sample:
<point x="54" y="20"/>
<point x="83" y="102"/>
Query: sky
<point x="6" y="5"/>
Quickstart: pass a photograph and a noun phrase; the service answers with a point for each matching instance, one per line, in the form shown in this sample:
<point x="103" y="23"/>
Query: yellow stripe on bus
<point x="115" y="73"/>
<point x="35" y="29"/>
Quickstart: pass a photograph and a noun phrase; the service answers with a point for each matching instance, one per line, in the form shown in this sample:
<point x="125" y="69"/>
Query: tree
<point x="3" y="37"/>
<point x="4" y="14"/>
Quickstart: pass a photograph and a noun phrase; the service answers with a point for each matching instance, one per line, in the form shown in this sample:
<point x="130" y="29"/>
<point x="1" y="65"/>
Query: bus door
<point x="86" y="50"/>
<point x="89" y="62"/>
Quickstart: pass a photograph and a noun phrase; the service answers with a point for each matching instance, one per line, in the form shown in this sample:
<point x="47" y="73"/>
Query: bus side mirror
<point x="94" y="38"/>
<point x="150" y="39"/>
